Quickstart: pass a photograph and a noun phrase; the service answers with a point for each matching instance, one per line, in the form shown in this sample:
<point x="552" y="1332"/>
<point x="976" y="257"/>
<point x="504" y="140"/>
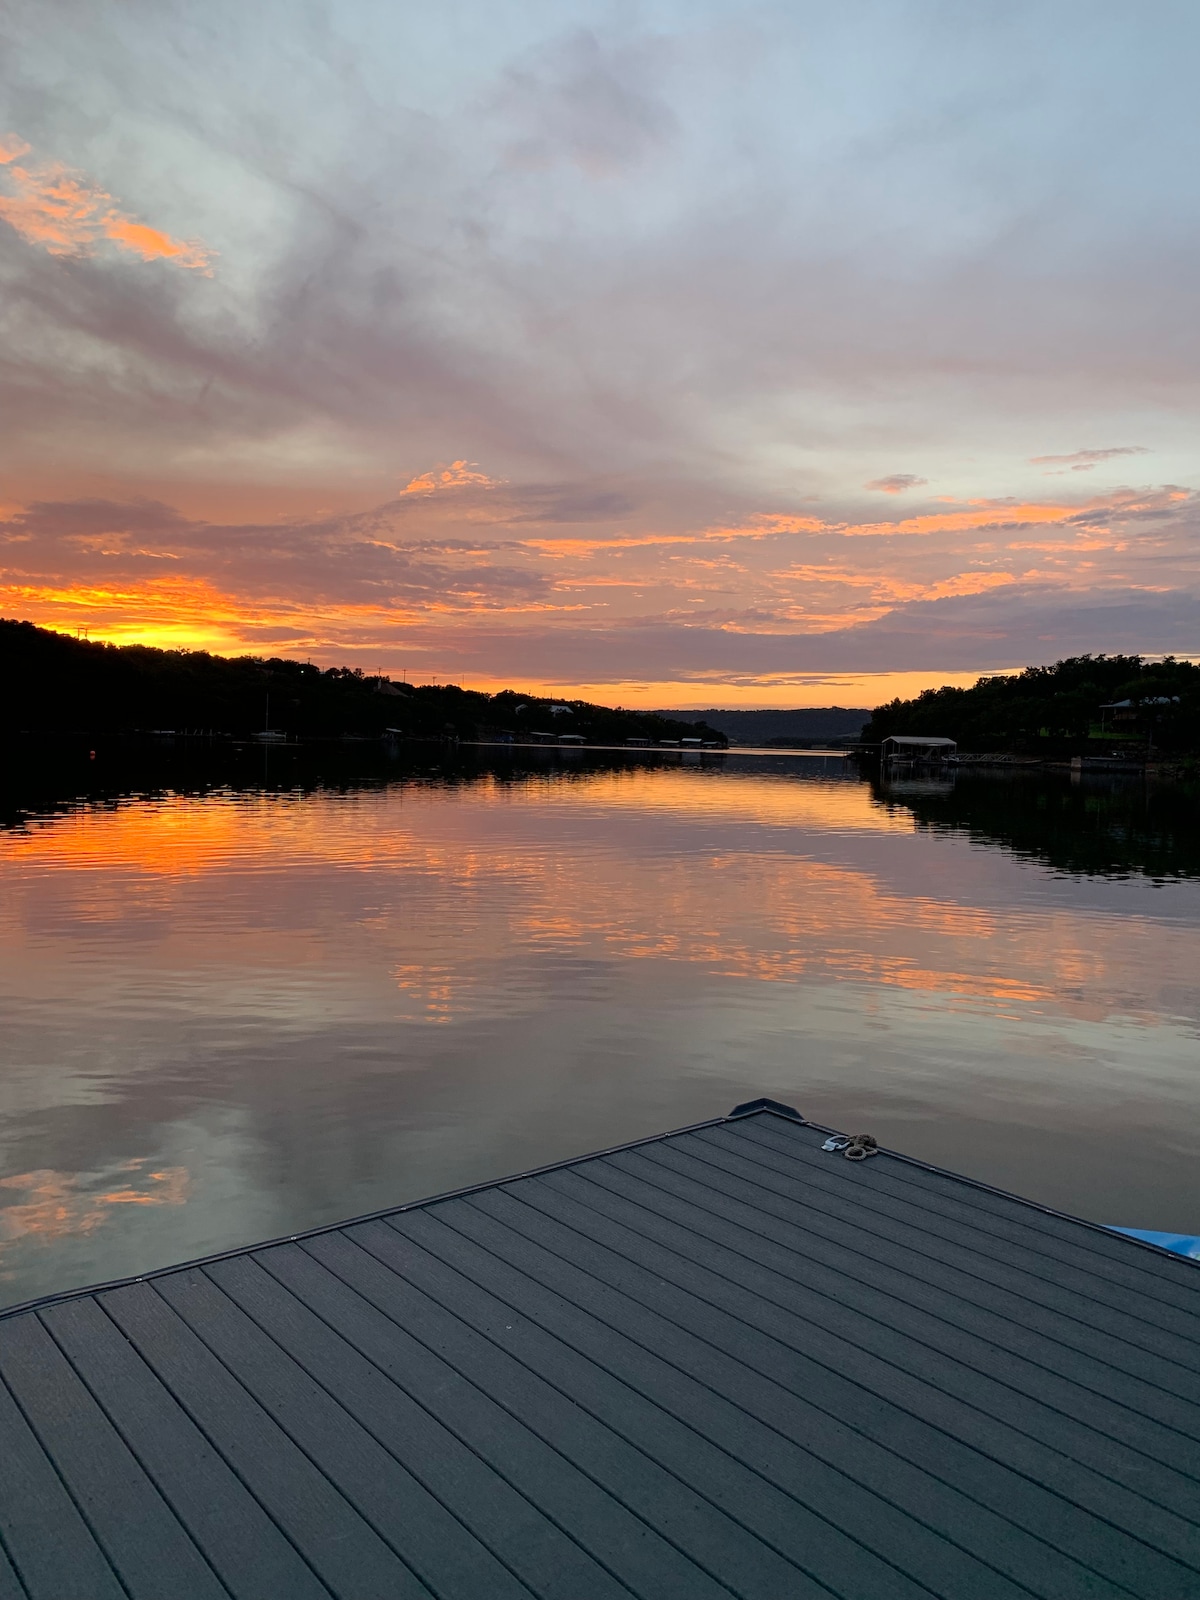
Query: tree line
<point x="1073" y="705"/>
<point x="57" y="684"/>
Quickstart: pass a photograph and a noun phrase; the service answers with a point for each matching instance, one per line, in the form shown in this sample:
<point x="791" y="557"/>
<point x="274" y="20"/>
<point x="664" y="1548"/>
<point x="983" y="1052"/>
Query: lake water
<point x="242" y="997"/>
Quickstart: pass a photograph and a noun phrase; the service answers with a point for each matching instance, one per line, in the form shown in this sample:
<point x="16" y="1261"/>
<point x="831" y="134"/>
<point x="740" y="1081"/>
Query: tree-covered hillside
<point x="55" y="684"/>
<point x="1059" y="707"/>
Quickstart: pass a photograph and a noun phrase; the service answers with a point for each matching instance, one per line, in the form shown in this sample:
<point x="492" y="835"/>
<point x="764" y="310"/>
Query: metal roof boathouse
<point x="722" y="1362"/>
<point x="916" y="747"/>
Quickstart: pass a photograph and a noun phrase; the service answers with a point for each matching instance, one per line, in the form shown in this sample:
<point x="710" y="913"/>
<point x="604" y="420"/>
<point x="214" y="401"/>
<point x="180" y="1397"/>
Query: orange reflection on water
<point x="170" y="838"/>
<point x="434" y="993"/>
<point x="59" y="1205"/>
<point x="183" y="836"/>
<point x="414" y="903"/>
<point x="835" y="806"/>
<point x="780" y="920"/>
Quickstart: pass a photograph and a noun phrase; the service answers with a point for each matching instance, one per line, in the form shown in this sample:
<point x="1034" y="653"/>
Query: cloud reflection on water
<point x="351" y="998"/>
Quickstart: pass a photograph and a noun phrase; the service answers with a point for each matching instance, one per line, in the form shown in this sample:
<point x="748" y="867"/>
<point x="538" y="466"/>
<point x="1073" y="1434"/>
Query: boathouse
<point x="916" y="747"/>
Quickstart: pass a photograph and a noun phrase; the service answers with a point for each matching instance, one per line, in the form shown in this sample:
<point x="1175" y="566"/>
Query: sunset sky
<point x="707" y="354"/>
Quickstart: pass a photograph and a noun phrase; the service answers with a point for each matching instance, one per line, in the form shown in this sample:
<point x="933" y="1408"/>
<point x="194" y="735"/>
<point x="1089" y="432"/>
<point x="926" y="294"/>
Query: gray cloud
<point x="1085" y="460"/>
<point x="588" y="99"/>
<point x="979" y="634"/>
<point x="337" y="560"/>
<point x="896" y="483"/>
<point x="663" y="271"/>
<point x="382" y="268"/>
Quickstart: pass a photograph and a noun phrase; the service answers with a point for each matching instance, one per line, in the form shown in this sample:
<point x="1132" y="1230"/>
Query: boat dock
<point x="721" y="1362"/>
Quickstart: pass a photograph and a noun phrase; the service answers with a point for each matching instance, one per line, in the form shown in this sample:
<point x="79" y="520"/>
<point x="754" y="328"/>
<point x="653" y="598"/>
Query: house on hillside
<point x="1129" y="719"/>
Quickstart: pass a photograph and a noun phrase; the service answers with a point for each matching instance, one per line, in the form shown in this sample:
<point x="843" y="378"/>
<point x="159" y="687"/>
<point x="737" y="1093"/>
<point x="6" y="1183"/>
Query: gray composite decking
<point x="721" y="1362"/>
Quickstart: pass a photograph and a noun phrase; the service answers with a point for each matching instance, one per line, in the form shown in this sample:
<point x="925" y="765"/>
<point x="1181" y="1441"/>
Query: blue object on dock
<point x="1182" y="1244"/>
<point x="721" y="1362"/>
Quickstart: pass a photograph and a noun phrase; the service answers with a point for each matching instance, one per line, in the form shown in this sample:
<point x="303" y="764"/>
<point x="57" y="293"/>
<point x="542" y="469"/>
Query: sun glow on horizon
<point x="696" y="693"/>
<point x="771" y="611"/>
<point x="767" y="693"/>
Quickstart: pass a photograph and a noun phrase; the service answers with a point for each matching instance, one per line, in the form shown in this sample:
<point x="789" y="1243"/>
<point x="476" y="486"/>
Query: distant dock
<point x="724" y="1361"/>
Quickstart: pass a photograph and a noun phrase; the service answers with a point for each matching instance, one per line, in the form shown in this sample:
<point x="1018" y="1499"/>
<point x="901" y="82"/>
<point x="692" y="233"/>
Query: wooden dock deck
<point x="720" y="1362"/>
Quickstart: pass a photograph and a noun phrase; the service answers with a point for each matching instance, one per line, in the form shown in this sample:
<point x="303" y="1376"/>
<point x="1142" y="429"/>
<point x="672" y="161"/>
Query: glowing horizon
<point x="512" y="366"/>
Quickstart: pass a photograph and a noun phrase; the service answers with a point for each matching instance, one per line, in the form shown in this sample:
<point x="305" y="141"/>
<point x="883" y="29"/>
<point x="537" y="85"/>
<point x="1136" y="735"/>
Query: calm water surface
<point x="249" y="1003"/>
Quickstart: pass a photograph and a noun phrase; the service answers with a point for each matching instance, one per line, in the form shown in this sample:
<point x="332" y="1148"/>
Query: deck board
<point x="1042" y="1231"/>
<point x="835" y="1525"/>
<point x="147" y="1545"/>
<point x="398" y="1507"/>
<point x="1154" y="1322"/>
<point x="852" y="1301"/>
<point x="919" y="1465"/>
<point x="1149" y="1416"/>
<point x="556" y="1560"/>
<point x="428" y="1504"/>
<point x="1004" y="1468"/>
<point x="41" y="1527"/>
<point x="1026" y="1297"/>
<point x="621" y="1436"/>
<point x="245" y="1548"/>
<point x="338" y="1543"/>
<point x="11" y="1587"/>
<point x="582" y="1473"/>
<point x="718" y="1363"/>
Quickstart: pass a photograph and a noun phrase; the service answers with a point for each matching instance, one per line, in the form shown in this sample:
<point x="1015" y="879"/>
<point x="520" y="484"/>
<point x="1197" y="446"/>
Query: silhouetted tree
<point x="1056" y="707"/>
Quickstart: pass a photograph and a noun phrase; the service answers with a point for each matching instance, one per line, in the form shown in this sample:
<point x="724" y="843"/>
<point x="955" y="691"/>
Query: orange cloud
<point x="988" y="515"/>
<point x="154" y="245"/>
<point x="763" y="526"/>
<point x="561" y="548"/>
<point x="976" y="514"/>
<point x="967" y="583"/>
<point x="895" y="590"/>
<point x="455" y="476"/>
<point x="1005" y="513"/>
<point x="779" y="522"/>
<point x="984" y="514"/>
<point x="883" y="593"/>
<point x="1071" y="546"/>
<point x="399" y="586"/>
<point x="51" y="206"/>
<point x="184" y="613"/>
<point x="172" y="613"/>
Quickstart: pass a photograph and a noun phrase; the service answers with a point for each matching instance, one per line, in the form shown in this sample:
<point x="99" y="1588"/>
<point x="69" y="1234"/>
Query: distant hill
<point x="767" y="727"/>
<point x="53" y="683"/>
